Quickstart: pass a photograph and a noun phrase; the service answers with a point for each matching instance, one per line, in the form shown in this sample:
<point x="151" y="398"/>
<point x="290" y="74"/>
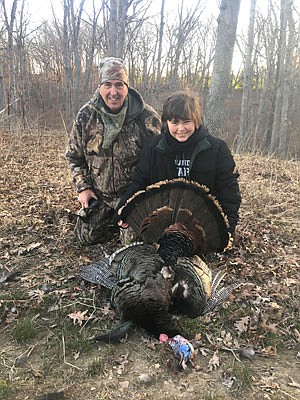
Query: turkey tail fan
<point x="154" y="225"/>
<point x="98" y="273"/>
<point x="186" y="218"/>
<point x="175" y="199"/>
<point x="159" y="197"/>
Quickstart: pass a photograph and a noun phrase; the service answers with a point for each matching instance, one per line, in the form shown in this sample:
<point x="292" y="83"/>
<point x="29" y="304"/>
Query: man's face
<point x="113" y="93"/>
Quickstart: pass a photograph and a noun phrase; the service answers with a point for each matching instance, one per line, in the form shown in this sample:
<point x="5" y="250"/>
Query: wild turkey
<point x="163" y="275"/>
<point x="147" y="292"/>
<point x="141" y="289"/>
<point x="180" y="216"/>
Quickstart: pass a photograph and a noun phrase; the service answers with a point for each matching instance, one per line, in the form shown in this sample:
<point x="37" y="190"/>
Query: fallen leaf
<point x="291" y="281"/>
<point x="271" y="327"/>
<point x="269" y="351"/>
<point x="23" y="250"/>
<point x="214" y="362"/>
<point x="203" y="351"/>
<point x="268" y="384"/>
<point x="228" y="381"/>
<point x="242" y="325"/>
<point x="274" y="305"/>
<point x="78" y="317"/>
<point x="226" y="338"/>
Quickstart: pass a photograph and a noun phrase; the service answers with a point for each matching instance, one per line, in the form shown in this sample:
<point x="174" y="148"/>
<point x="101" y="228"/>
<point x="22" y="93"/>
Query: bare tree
<point x="54" y="66"/>
<point x="247" y="83"/>
<point x="74" y="29"/>
<point x="2" y="87"/>
<point x="67" y="64"/>
<point x="9" y="21"/>
<point x="220" y="82"/>
<point x="202" y="45"/>
<point x="93" y="33"/>
<point x="160" y="41"/>
<point x="2" y="84"/>
<point x="23" y="73"/>
<point x="267" y="28"/>
<point x="287" y="83"/>
<point x="285" y="4"/>
<point x="180" y="32"/>
<point x="117" y="27"/>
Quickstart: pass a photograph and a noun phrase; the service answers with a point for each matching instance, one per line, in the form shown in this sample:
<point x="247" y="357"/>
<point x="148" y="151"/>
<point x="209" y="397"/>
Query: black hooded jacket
<point x="210" y="163"/>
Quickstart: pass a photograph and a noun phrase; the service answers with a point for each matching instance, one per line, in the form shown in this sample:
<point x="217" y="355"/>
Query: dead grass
<point x="249" y="349"/>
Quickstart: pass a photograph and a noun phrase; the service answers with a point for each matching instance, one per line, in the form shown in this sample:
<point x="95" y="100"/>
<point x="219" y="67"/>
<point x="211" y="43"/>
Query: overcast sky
<point x="41" y="9"/>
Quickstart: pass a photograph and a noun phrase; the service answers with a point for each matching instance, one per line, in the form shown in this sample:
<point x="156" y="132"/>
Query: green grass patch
<point x="76" y="339"/>
<point x="4" y="390"/>
<point x="192" y="326"/>
<point x="244" y="375"/>
<point x="274" y="340"/>
<point x="24" y="331"/>
<point x="97" y="367"/>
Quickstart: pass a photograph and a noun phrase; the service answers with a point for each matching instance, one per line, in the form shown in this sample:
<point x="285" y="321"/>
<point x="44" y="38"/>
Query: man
<point x="105" y="143"/>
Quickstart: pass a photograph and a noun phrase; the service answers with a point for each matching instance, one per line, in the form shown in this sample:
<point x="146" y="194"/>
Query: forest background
<point x="243" y="62"/>
<point x="48" y="68"/>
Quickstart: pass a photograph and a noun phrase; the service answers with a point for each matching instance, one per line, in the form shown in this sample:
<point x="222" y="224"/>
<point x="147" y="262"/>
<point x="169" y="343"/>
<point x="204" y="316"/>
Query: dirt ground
<point x="248" y="349"/>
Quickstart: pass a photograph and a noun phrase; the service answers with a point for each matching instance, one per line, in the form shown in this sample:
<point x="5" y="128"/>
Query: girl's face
<point x="181" y="130"/>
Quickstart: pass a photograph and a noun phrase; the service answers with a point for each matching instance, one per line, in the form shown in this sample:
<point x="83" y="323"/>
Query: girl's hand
<point x="122" y="224"/>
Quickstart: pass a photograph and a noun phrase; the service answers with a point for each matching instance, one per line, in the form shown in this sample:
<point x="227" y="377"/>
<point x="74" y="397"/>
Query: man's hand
<point x="85" y="196"/>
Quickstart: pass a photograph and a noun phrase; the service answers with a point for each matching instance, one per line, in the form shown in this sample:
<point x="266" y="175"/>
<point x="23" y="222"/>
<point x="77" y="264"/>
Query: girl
<point x="185" y="149"/>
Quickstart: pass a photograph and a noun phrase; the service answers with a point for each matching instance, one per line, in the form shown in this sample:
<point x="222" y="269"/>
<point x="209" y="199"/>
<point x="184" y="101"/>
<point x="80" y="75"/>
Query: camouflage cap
<point x="112" y="68"/>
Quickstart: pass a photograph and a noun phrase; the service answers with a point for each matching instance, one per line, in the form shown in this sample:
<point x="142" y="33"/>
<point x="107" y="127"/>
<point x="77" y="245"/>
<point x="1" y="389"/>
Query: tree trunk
<point x="279" y="83"/>
<point x="67" y="65"/>
<point x="160" y="40"/>
<point x="2" y="88"/>
<point x="9" y="24"/>
<point x="90" y="50"/>
<point x="287" y="80"/>
<point x="74" y="28"/>
<point x="221" y="75"/>
<point x="247" y="83"/>
<point x="116" y="27"/>
<point x="267" y="36"/>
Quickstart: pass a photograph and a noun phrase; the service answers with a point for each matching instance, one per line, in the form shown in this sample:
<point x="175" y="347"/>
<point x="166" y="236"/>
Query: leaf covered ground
<point x="248" y="349"/>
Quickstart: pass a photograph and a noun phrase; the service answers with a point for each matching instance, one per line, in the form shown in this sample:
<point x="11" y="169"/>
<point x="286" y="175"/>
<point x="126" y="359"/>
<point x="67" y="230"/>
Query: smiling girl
<point x="185" y="149"/>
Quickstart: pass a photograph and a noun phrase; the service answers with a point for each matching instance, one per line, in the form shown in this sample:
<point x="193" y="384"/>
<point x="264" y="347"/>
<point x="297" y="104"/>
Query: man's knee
<point x="89" y="233"/>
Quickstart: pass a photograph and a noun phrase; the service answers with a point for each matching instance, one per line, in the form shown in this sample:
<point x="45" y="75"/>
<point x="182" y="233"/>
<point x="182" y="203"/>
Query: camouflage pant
<point x="95" y="225"/>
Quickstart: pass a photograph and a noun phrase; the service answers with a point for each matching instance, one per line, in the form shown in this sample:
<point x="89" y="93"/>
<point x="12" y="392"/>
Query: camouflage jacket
<point x="109" y="171"/>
